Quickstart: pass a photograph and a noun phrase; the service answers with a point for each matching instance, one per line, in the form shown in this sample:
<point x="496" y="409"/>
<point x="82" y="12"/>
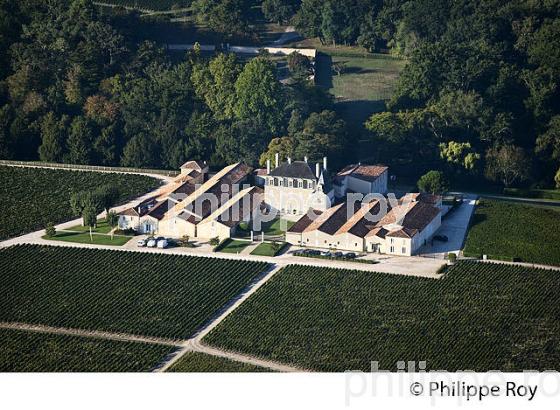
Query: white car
<point x="151" y="243"/>
<point x="141" y="243"/>
<point x="162" y="243"/>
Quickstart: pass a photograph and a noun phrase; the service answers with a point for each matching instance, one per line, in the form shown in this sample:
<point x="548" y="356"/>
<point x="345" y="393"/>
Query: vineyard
<point x="37" y="352"/>
<point x="33" y="197"/>
<point x="155" y="5"/>
<point x="203" y="363"/>
<point x="167" y="296"/>
<point x="508" y="231"/>
<point x="480" y="316"/>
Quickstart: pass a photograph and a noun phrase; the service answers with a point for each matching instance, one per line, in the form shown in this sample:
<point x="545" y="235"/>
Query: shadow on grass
<point x="356" y="112"/>
<point x="323" y="70"/>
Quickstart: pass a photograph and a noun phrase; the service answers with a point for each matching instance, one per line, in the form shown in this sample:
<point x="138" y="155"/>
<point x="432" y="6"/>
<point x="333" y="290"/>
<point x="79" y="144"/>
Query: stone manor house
<point x="203" y="205"/>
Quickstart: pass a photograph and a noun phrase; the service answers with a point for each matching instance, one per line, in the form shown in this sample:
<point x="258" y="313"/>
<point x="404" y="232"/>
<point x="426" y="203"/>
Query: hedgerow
<point x="169" y="296"/>
<point x="479" y="316"/>
<point x="33" y="197"/>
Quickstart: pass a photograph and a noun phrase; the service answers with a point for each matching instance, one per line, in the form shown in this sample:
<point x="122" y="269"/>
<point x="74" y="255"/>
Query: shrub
<point x="214" y="241"/>
<point x="452" y="257"/>
<point x="50" y="230"/>
<point x="433" y="182"/>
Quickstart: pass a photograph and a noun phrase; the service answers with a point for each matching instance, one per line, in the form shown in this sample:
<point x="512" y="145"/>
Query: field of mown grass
<point x="203" y="363"/>
<point x="33" y="197"/>
<point x="506" y="231"/>
<point x="23" y="351"/>
<point x="479" y="316"/>
<point x="160" y="295"/>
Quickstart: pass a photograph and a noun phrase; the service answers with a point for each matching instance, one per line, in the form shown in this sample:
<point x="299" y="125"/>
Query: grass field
<point x="363" y="86"/>
<point x="203" y="363"/>
<point x="506" y="230"/>
<point x="33" y="197"/>
<point x="94" y="239"/>
<point x="233" y="246"/>
<point x="480" y="316"/>
<point x="270" y="228"/>
<point x="102" y="227"/>
<point x="22" y="351"/>
<point x="268" y="249"/>
<point x="167" y="296"/>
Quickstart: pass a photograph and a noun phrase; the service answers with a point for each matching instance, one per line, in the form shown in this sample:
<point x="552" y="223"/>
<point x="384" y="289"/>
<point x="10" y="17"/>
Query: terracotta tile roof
<point x="323" y="218"/>
<point x="303" y="222"/>
<point x="365" y="172"/>
<point x="357" y="222"/>
<point x="197" y="165"/>
<point x="255" y="196"/>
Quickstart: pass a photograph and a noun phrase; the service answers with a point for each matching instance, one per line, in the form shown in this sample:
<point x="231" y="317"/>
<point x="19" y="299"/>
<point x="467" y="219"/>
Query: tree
<point x="50" y="230"/>
<point x="323" y="134"/>
<point x="299" y="66"/>
<point x="279" y="11"/>
<point x="506" y="164"/>
<point x="283" y="146"/>
<point x="113" y="221"/>
<point x="140" y="152"/>
<point x="224" y="16"/>
<point x="52" y="138"/>
<point x="459" y="153"/>
<point x="259" y="94"/>
<point x="557" y="178"/>
<point x="215" y="83"/>
<point x="106" y="196"/>
<point x="79" y="142"/>
<point x="89" y="216"/>
<point x="433" y="182"/>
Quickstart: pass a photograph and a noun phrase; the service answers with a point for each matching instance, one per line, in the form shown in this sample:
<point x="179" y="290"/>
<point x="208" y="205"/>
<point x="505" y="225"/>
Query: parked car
<point x="327" y="253"/>
<point x="338" y="254"/>
<point x="162" y="243"/>
<point x="441" y="238"/>
<point x="141" y="243"/>
<point x="151" y="242"/>
<point x="350" y="255"/>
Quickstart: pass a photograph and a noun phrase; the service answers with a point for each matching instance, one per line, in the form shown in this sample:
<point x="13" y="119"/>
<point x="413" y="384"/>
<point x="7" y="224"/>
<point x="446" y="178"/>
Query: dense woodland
<point x="479" y="95"/>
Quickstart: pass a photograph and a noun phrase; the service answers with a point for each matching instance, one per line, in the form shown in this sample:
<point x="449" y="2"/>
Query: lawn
<point x="203" y="363"/>
<point x="33" y="197"/>
<point x="364" y="84"/>
<point x="506" y="230"/>
<point x="276" y="227"/>
<point x="84" y="237"/>
<point x="22" y="351"/>
<point x="232" y="246"/>
<point x="169" y="296"/>
<point x="268" y="249"/>
<point x="102" y="227"/>
<point x="479" y="316"/>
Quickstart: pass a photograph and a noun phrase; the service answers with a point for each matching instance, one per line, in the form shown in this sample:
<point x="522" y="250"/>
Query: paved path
<point x="122" y="337"/>
<point x="455" y="226"/>
<point x="289" y="34"/>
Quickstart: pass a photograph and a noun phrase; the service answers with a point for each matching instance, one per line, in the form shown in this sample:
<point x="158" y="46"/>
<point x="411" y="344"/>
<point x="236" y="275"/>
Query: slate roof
<point x="297" y="169"/>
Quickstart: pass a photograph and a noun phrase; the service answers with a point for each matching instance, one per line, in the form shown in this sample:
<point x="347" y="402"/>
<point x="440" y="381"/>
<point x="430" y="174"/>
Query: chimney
<point x="305" y="158"/>
<point x="277" y="156"/>
<point x="289" y="160"/>
<point x="317" y="170"/>
<point x="324" y="162"/>
<point x="268" y="166"/>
